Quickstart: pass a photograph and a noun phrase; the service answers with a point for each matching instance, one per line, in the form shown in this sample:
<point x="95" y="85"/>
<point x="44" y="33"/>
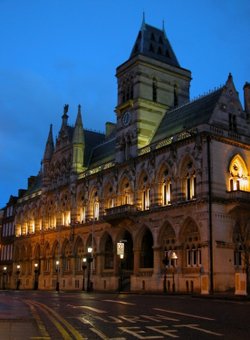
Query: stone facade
<point x="171" y="177"/>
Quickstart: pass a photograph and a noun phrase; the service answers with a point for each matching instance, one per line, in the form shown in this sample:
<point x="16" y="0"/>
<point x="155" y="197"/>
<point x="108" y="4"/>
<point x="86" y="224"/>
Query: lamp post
<point x="57" y="275"/>
<point x="84" y="266"/>
<point x="120" y="253"/>
<point x="165" y="262"/>
<point x="89" y="260"/>
<point x="4" y="277"/>
<point x="169" y="259"/>
<point x="174" y="258"/>
<point x="121" y="272"/>
<point x="36" y="271"/>
<point x="18" y="267"/>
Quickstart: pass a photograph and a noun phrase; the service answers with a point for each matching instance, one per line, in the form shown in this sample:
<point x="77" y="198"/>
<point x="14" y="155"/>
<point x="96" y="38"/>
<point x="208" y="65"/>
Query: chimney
<point x="31" y="181"/>
<point x="110" y="127"/>
<point x="246" y="89"/>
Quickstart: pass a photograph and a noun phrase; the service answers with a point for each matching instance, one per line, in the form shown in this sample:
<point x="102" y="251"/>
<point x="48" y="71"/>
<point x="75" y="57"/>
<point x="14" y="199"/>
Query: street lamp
<point x="84" y="266"/>
<point x="57" y="275"/>
<point x="174" y="258"/>
<point x="120" y="253"/>
<point x="18" y="267"/>
<point x="170" y="258"/>
<point x="36" y="271"/>
<point x="89" y="260"/>
<point x="4" y="276"/>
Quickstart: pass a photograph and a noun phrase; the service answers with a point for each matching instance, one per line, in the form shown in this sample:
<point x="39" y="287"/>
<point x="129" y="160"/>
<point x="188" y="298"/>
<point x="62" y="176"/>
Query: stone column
<point x="136" y="261"/>
<point x="157" y="260"/>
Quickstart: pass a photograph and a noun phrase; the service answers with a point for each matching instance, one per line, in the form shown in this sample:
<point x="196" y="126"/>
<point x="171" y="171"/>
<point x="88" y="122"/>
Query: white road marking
<point x="195" y="326"/>
<point x="184" y="314"/>
<point x="139" y="334"/>
<point x="99" y="333"/>
<point x="120" y="302"/>
<point x="92" y="309"/>
<point x="164" y="330"/>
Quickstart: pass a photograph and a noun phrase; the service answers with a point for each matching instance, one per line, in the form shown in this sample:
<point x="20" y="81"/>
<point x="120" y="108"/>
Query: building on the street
<point x="7" y="237"/>
<point x="169" y="180"/>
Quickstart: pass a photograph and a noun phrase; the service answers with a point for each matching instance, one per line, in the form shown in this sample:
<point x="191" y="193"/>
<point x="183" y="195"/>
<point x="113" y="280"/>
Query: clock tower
<point x="150" y="83"/>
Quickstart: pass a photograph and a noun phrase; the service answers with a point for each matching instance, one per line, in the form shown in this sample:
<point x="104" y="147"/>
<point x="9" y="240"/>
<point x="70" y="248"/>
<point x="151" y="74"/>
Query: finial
<point x="163" y="27"/>
<point x="79" y="109"/>
<point x="230" y="75"/>
<point x="66" y="108"/>
<point x="143" y="20"/>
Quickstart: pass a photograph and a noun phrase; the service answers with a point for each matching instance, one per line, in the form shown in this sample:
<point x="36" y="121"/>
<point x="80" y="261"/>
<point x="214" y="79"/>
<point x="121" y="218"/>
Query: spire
<point x="163" y="28"/>
<point x="143" y="21"/>
<point x="49" y="149"/>
<point x="78" y="143"/>
<point x="78" y="129"/>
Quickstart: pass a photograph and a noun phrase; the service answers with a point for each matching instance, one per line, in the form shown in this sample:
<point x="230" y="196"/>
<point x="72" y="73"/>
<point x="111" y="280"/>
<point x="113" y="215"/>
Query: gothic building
<point x="167" y="186"/>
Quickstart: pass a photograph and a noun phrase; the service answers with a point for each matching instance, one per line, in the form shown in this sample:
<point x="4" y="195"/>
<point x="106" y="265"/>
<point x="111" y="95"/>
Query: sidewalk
<point x="16" y="319"/>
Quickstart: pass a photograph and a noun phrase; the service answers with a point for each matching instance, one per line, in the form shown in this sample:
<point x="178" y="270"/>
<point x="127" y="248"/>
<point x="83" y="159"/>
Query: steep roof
<point x="153" y="42"/>
<point x="92" y="140"/>
<point x="103" y="153"/>
<point x="187" y="116"/>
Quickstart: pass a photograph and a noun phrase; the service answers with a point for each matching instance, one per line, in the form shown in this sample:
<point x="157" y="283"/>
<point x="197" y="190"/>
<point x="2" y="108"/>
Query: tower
<point x="150" y="83"/>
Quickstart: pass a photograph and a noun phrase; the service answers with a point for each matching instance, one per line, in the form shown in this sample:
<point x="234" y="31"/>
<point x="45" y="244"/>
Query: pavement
<point x="17" y="321"/>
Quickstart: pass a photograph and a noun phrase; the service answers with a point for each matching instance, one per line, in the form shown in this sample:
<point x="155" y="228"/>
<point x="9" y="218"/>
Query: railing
<point x="121" y="210"/>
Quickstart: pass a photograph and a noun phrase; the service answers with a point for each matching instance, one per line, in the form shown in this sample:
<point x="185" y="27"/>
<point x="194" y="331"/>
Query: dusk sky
<point x="56" y="52"/>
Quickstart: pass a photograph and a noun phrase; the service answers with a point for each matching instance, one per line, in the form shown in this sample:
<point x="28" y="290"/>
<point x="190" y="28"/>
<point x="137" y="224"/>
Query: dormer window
<point x="160" y="40"/>
<point x="167" y="54"/>
<point x="159" y="50"/>
<point x="152" y="37"/>
<point x="232" y="122"/>
<point x="151" y="48"/>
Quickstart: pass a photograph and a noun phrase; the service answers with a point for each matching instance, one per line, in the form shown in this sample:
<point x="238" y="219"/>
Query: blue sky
<point x="56" y="52"/>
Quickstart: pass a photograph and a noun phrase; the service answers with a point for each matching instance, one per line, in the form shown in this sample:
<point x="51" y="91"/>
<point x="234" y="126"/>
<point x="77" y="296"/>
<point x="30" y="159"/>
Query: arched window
<point x="238" y="179"/>
<point x="145" y="199"/>
<point x="96" y="210"/>
<point x="189" y="180"/>
<point x="192" y="246"/>
<point x="166" y="192"/>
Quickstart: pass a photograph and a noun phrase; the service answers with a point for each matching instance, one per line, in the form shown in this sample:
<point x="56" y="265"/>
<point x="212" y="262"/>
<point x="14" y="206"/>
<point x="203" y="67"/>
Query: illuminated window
<point x="192" y="247"/>
<point x="239" y="179"/>
<point x="190" y="188"/>
<point x="96" y="210"/>
<point x="166" y="192"/>
<point x="145" y="199"/>
<point x="193" y="256"/>
<point x="83" y="215"/>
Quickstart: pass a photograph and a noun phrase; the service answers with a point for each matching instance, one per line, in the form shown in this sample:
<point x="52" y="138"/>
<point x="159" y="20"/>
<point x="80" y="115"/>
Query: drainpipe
<point x="210" y="216"/>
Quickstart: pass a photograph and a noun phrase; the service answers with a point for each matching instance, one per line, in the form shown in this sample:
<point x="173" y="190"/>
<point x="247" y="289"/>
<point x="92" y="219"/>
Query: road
<point x="65" y="315"/>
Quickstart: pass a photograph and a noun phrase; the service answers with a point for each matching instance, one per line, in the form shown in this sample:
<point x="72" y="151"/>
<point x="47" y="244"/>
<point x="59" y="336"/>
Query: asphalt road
<point x="64" y="315"/>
